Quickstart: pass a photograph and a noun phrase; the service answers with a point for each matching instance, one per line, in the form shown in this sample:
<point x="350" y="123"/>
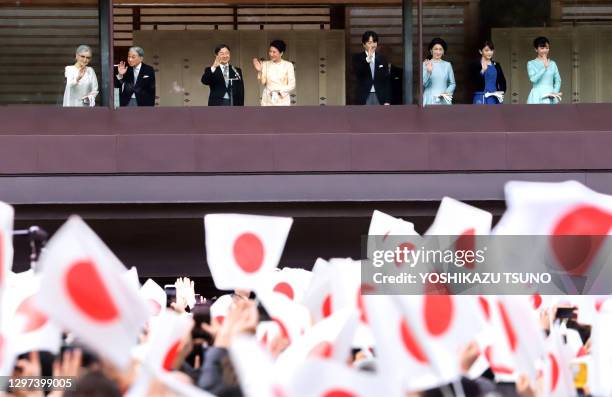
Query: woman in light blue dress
<point x="438" y="77"/>
<point x="544" y="75"/>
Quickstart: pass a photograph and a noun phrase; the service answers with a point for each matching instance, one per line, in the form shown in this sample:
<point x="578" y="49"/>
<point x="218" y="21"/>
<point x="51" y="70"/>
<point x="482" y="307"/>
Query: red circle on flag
<point x="326" y="308"/>
<point x="577" y="237"/>
<point x="283" y="330"/>
<point x="322" y="350"/>
<point x="170" y="357"/>
<point x="410" y="343"/>
<point x="35" y="318"/>
<point x="554" y="372"/>
<point x="398" y="257"/>
<point x="536" y="300"/>
<point x="510" y="332"/>
<point x="467" y="242"/>
<point x="249" y="252"/>
<point x="364" y="288"/>
<point x="338" y="393"/>
<point x="278" y="391"/>
<point x="285" y="289"/>
<point x="88" y="292"/>
<point x="484" y="305"/>
<point x="438" y="311"/>
<point x="498" y="369"/>
<point x="220" y="319"/>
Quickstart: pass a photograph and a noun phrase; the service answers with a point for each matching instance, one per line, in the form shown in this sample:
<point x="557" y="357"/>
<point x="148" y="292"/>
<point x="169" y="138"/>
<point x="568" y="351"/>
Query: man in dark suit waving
<point x="136" y="80"/>
<point x="372" y="72"/>
<point x="224" y="80"/>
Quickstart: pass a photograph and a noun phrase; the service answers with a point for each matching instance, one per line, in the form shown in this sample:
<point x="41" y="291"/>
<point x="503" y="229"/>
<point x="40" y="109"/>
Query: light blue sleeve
<point x="450" y="89"/>
<point x="556" y="79"/>
<point x="426" y="77"/>
<point x="535" y="71"/>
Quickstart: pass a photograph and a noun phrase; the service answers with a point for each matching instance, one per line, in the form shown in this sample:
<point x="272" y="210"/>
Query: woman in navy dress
<point x="487" y="77"/>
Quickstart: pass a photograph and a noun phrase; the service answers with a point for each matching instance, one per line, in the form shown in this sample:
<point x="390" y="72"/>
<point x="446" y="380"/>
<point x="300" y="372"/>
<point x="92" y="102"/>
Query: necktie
<point x="372" y="68"/>
<point x="225" y="69"/>
<point x="136" y="71"/>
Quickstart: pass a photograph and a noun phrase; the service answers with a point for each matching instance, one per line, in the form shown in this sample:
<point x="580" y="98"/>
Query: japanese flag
<point x="292" y="318"/>
<point x="168" y="334"/>
<point x="383" y="224"/>
<point x="388" y="233"/>
<point x="31" y="329"/>
<point x="155" y="296"/>
<point x="318" y="295"/>
<point x="242" y="249"/>
<point x="319" y="378"/>
<point x="83" y="290"/>
<point x="601" y="351"/>
<point x="330" y="339"/>
<point x="558" y="377"/>
<point x="418" y="338"/>
<point x="520" y="330"/>
<point x="219" y="309"/>
<point x="575" y="221"/>
<point x="458" y="226"/>
<point x="6" y="241"/>
<point x="254" y="366"/>
<point x="290" y="282"/>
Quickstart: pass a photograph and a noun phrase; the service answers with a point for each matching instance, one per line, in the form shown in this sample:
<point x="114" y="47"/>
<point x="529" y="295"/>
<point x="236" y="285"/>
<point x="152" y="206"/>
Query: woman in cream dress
<point x="276" y="75"/>
<point x="81" y="81"/>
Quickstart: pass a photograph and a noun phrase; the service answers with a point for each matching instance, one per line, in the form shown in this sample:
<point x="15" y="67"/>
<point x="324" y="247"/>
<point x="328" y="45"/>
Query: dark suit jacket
<point x="218" y="89"/>
<point x="144" y="87"/>
<point x="364" y="83"/>
<point x="477" y="79"/>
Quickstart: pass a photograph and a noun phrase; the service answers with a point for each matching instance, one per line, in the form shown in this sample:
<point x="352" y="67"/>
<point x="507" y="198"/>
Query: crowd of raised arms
<point x="136" y="80"/>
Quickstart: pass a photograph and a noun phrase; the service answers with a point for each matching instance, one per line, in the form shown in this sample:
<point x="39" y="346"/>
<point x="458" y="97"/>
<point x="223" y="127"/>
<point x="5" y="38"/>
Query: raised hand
<point x="429" y="66"/>
<point x="546" y="62"/>
<point x="216" y="62"/>
<point x="257" y="64"/>
<point x="82" y="71"/>
<point x="484" y="65"/>
<point x="122" y="68"/>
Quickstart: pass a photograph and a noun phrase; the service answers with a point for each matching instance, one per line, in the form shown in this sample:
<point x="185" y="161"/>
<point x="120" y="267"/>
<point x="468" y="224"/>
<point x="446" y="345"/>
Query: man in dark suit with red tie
<point x="224" y="80"/>
<point x="373" y="85"/>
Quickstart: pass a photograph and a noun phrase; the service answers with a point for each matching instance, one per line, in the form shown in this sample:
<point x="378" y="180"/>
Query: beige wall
<point x="181" y="56"/>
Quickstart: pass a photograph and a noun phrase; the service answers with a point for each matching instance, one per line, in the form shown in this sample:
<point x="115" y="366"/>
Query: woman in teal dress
<point x="544" y="75"/>
<point x="438" y="77"/>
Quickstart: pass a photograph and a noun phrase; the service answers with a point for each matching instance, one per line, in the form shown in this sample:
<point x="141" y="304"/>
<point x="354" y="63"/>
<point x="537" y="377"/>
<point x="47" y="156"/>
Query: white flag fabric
<point x="318" y="296"/>
<point x="155" y="296"/>
<point x="220" y="308"/>
<point x="242" y="249"/>
<point x="601" y="351"/>
<point x="30" y="329"/>
<point x="7" y="215"/>
<point x="84" y="291"/>
<point x="318" y="378"/>
<point x="563" y="212"/>
<point x="455" y="218"/>
<point x="290" y="282"/>
<point x="558" y="377"/>
<point x="329" y="339"/>
<point x="418" y="338"/>
<point x="254" y="366"/>
<point x="292" y="318"/>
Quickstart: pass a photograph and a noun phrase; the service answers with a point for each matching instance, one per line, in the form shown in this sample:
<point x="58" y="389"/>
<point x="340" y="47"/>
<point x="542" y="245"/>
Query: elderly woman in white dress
<point x="81" y="81"/>
<point x="276" y="75"/>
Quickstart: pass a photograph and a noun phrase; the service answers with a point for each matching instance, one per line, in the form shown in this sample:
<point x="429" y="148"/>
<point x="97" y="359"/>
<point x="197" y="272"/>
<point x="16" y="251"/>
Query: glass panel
<point x="37" y="51"/>
<point x="320" y="41"/>
<point x="578" y="34"/>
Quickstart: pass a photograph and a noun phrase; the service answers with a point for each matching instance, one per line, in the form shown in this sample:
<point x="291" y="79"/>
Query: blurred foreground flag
<point x="6" y="242"/>
<point x="155" y="296"/>
<point x="83" y="290"/>
<point x="601" y="350"/>
<point x="575" y="222"/>
<point x="242" y="250"/>
<point x="418" y="338"/>
<point x="318" y="378"/>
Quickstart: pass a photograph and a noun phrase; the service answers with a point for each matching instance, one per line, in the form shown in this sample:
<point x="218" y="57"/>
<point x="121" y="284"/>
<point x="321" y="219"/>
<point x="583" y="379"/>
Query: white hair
<point x="83" y="48"/>
<point x="137" y="50"/>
